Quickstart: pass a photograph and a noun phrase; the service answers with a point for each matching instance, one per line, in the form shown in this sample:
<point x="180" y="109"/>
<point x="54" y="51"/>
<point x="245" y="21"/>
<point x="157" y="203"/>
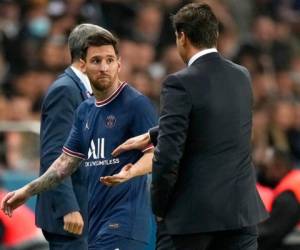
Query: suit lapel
<point x="77" y="81"/>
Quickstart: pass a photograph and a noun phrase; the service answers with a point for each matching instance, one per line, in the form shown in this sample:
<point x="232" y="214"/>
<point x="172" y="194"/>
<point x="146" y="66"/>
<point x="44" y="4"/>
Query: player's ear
<point x="82" y="65"/>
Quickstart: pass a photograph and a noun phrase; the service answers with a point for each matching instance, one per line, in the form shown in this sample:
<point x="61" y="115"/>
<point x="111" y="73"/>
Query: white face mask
<point x="39" y="26"/>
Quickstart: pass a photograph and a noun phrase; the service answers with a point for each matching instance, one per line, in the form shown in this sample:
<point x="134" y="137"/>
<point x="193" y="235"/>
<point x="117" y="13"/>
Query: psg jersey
<point x="98" y="128"/>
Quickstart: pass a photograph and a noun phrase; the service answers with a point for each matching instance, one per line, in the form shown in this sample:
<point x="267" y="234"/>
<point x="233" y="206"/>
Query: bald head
<point x="79" y="35"/>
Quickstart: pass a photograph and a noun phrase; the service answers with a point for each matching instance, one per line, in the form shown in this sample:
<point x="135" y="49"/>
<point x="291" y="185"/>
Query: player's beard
<point x="103" y="83"/>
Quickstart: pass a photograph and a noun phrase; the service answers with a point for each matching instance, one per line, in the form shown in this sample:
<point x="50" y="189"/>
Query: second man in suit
<point x="62" y="212"/>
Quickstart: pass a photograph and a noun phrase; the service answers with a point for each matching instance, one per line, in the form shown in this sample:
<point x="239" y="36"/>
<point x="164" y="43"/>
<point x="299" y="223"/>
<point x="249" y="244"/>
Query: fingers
<point x="117" y="151"/>
<point x="118" y="178"/>
<point x="8" y="210"/>
<point x="127" y="167"/>
<point x="73" y="223"/>
<point x="105" y="181"/>
<point x="6" y="199"/>
<point x="74" y="228"/>
<point x="80" y="229"/>
<point x="68" y="227"/>
<point x="138" y="143"/>
<point x="6" y="206"/>
<point x="110" y="180"/>
<point x="121" y="149"/>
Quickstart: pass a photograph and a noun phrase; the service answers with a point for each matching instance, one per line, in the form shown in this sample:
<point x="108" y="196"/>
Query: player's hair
<point x="99" y="39"/>
<point x="199" y="24"/>
<point x="78" y="36"/>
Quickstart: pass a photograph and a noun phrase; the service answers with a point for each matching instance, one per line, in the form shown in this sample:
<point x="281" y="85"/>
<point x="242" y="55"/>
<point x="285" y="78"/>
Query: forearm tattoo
<point x="62" y="167"/>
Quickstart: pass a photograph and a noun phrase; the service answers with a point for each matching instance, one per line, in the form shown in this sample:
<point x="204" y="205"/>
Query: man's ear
<point x="182" y="38"/>
<point x="119" y="64"/>
<point x="82" y="65"/>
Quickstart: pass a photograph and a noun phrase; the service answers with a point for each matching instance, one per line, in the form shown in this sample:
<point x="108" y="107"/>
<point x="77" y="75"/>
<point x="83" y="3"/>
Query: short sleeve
<point x="73" y="145"/>
<point x="144" y="117"/>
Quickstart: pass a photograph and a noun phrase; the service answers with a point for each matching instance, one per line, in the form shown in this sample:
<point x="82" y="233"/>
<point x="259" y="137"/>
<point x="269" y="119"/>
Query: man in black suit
<point x="203" y="182"/>
<point x="62" y="211"/>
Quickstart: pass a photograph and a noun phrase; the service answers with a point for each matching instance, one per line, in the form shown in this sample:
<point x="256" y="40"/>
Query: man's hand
<point x="73" y="223"/>
<point x="13" y="200"/>
<point x="139" y="142"/>
<point x="124" y="175"/>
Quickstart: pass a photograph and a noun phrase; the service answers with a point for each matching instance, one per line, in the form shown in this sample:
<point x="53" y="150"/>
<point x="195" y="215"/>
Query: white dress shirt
<point x="201" y="53"/>
<point x="84" y="79"/>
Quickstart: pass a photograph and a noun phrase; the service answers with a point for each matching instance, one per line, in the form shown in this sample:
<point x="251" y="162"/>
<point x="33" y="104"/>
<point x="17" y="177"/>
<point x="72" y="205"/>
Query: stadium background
<point x="262" y="35"/>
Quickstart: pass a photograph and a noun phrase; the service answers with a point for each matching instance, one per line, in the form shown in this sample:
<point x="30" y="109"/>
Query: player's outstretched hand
<point x="124" y="175"/>
<point x="139" y="142"/>
<point x="13" y="200"/>
<point x="73" y="223"/>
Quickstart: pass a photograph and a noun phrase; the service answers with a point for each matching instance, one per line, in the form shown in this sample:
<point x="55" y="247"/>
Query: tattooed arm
<point x="62" y="167"/>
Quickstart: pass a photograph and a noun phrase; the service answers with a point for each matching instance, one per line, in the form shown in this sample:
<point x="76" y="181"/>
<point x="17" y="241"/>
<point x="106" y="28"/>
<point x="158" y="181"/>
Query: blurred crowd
<point x="262" y="35"/>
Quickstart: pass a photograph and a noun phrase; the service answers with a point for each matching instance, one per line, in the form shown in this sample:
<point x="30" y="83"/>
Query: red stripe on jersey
<point x="72" y="153"/>
<point x="112" y="97"/>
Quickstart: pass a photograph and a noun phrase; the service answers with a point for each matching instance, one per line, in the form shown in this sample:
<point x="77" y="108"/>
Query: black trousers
<point x="241" y="239"/>
<point x="163" y="239"/>
<point x="62" y="242"/>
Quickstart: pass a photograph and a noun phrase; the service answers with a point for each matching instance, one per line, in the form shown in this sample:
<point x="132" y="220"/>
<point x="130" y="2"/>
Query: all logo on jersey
<point x="97" y="149"/>
<point x="110" y="121"/>
<point x="96" y="154"/>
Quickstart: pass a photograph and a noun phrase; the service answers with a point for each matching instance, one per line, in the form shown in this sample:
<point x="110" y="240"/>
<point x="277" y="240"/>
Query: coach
<point x="203" y="183"/>
<point x="203" y="180"/>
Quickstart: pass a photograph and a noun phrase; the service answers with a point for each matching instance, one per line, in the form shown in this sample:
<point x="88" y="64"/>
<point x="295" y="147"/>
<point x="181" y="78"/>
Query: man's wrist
<point x="147" y="142"/>
<point x="27" y="191"/>
<point x="148" y="147"/>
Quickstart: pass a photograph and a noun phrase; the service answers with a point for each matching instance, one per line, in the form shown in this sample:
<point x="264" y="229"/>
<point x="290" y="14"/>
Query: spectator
<point x="20" y="232"/>
<point x="285" y="208"/>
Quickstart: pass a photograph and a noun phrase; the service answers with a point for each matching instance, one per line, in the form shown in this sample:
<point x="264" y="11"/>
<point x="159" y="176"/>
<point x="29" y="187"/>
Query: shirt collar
<point x="84" y="79"/>
<point x="201" y="53"/>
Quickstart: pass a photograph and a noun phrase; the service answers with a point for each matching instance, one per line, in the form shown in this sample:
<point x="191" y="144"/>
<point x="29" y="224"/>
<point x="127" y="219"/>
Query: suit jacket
<point x="59" y="105"/>
<point x="203" y="179"/>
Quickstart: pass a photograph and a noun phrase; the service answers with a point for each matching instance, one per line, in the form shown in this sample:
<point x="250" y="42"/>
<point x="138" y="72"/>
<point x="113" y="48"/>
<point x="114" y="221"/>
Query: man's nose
<point x="103" y="66"/>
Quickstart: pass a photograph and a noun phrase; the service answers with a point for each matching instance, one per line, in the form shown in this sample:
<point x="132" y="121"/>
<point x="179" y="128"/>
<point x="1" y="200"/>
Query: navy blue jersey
<point x="99" y="127"/>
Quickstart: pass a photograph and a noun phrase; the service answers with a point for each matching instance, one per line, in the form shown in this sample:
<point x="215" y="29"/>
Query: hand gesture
<point x="124" y="175"/>
<point x="13" y="200"/>
<point x="73" y="223"/>
<point x="139" y="142"/>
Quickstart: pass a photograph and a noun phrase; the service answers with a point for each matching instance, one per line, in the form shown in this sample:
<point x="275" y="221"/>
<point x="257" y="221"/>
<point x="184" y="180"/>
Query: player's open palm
<point x="13" y="200"/>
<point x="73" y="223"/>
<point x="124" y="175"/>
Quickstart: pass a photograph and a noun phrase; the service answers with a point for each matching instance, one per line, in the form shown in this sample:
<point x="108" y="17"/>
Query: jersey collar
<point x="112" y="96"/>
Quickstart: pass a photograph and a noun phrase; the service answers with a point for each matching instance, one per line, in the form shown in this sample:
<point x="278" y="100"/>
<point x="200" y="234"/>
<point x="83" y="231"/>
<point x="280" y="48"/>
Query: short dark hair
<point x="78" y="36"/>
<point x="99" y="39"/>
<point x="199" y="23"/>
